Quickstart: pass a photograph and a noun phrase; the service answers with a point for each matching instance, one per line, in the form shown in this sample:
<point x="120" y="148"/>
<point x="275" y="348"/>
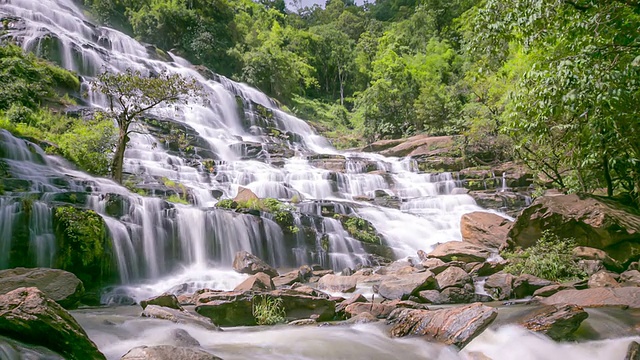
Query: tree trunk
<point x="607" y="175"/>
<point x="118" y="158"/>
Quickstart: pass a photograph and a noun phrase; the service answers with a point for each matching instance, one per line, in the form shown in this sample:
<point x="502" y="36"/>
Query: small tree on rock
<point x="130" y="95"/>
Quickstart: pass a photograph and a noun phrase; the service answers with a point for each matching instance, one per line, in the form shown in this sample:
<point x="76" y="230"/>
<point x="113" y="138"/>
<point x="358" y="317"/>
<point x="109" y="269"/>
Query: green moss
<point x="282" y="213"/>
<point x="360" y="229"/>
<point x="177" y="199"/>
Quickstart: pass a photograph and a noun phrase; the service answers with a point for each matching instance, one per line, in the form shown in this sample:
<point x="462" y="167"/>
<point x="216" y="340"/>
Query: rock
<point x="11" y="349"/>
<point x="551" y="289"/>
<point x="633" y="351"/>
<point x="406" y="285"/>
<point x="303" y="322"/>
<point x="597" y="297"/>
<point x="29" y="315"/>
<point x="453" y="326"/>
<point x="430" y="296"/>
<point x="634" y="266"/>
<point x="457" y="295"/>
<point x="525" y="285"/>
<point x="305" y="271"/>
<point x="603" y="279"/>
<point x="590" y="267"/>
<point x="592" y="221"/>
<point x="246" y="263"/>
<point x="485" y="229"/>
<point x="625" y="252"/>
<point x="308" y="290"/>
<point x="379" y="310"/>
<point x="459" y="250"/>
<point x="321" y="273"/>
<point x="182" y="338"/>
<point x="234" y="310"/>
<point x="178" y="316"/>
<point x="435" y="265"/>
<point x="488" y="268"/>
<point x="356" y="298"/>
<point x="337" y="283"/>
<point x="58" y="285"/>
<point x="164" y="300"/>
<point x="499" y="286"/>
<point x="167" y="352"/>
<point x="558" y="322"/>
<point x="362" y="318"/>
<point x="630" y="278"/>
<point x="288" y="279"/>
<point x="245" y="195"/>
<point x="257" y="282"/>
<point x="301" y="306"/>
<point x="589" y="253"/>
<point x="453" y="277"/>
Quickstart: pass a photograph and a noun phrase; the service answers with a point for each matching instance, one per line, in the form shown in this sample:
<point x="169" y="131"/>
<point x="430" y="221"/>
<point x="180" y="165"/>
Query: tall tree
<point x="131" y="95"/>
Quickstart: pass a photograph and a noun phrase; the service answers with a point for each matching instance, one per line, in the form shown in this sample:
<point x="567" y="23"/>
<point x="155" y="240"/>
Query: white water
<point x="154" y="241"/>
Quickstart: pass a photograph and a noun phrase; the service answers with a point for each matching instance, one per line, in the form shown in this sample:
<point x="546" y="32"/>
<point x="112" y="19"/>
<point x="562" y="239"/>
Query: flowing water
<point x="161" y="246"/>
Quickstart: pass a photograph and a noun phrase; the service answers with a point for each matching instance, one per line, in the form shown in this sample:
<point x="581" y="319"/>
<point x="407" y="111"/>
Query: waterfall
<point x="278" y="156"/>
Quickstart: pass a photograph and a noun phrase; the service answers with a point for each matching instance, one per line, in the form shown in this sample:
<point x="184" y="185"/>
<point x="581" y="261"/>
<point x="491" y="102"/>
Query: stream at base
<point x="118" y="329"/>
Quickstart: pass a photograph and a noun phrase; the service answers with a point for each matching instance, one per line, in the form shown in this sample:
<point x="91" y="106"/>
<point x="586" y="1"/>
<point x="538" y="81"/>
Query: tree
<point x="131" y="95"/>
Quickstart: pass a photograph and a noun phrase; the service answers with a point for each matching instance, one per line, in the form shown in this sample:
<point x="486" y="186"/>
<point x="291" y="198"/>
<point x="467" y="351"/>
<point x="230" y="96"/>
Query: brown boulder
<point x="301" y="306"/>
<point x="592" y="221"/>
<point x="633" y="351"/>
<point x="525" y="285"/>
<point x="257" y="282"/>
<point x="406" y="285"/>
<point x="289" y="278"/>
<point x="247" y="263"/>
<point x="356" y="298"/>
<point x="453" y="277"/>
<point x="245" y="195"/>
<point x="337" y="283"/>
<point x="461" y="251"/>
<point x="485" y="229"/>
<point x="630" y="278"/>
<point x="589" y="253"/>
<point x="499" y="286"/>
<point x="177" y="316"/>
<point x="604" y="279"/>
<point x="488" y="268"/>
<point x="379" y="310"/>
<point x="435" y="265"/>
<point x="164" y="300"/>
<point x="29" y="315"/>
<point x="597" y="297"/>
<point x="558" y="322"/>
<point x="60" y="286"/>
<point x="551" y="289"/>
<point x="453" y="326"/>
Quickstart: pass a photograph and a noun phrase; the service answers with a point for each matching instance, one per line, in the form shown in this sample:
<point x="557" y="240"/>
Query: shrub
<point x="177" y="199"/>
<point x="550" y="258"/>
<point x="268" y="310"/>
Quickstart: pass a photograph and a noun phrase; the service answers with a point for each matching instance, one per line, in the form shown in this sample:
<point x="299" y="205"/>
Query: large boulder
<point x="379" y="310"/>
<point x="29" y="315"/>
<point x="247" y="263"/>
<point x="301" y="306"/>
<point x="630" y="278"/>
<point x="337" y="283"/>
<point x="589" y="253"/>
<point x="401" y="287"/>
<point x="178" y="316"/>
<point x="257" y="282"/>
<point x="592" y="221"/>
<point x="453" y="326"/>
<point x="60" y="286"/>
<point x="461" y="251"/>
<point x="164" y="300"/>
<point x="485" y="229"/>
<point x="289" y="278"/>
<point x="11" y="349"/>
<point x="499" y="285"/>
<point x="226" y="308"/>
<point x="633" y="351"/>
<point x="604" y="278"/>
<point x="558" y="322"/>
<point x="453" y="277"/>
<point x="525" y="285"/>
<point x="167" y="352"/>
<point x="597" y="297"/>
<point x="245" y="195"/>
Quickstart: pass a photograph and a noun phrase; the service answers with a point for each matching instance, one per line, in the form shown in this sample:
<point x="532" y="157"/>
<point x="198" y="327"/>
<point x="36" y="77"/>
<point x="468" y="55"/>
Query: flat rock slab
<point x="597" y="297"/>
<point x="178" y="316"/>
<point x="461" y="251"/>
<point x="558" y="322"/>
<point x="454" y="326"/>
<point x="337" y="283"/>
<point x="167" y="352"/>
<point x="60" y="286"/>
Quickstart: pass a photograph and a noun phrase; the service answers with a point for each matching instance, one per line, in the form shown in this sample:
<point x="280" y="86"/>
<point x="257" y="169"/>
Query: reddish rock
<point x="435" y="265"/>
<point x="337" y="283"/>
<point x="289" y="278"/>
<point x="164" y="300"/>
<point x="604" y="279"/>
<point x="485" y="229"/>
<point x="552" y="289"/>
<point x="257" y="282"/>
<point x="630" y="278"/>
<point x="356" y="298"/>
<point x="379" y="310"/>
<point x="525" y="285"/>
<point x="247" y="263"/>
<point x="459" y="250"/>
<point x="558" y="322"/>
<point x="589" y="253"/>
<point x="406" y="285"/>
<point x="453" y="277"/>
<point x="499" y="286"/>
<point x="597" y="297"/>
<point x="245" y="195"/>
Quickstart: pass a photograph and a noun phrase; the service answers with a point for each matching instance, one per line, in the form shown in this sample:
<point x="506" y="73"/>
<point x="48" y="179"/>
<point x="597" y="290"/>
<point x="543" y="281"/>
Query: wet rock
<point x="308" y="290"/>
<point x="589" y="253"/>
<point x="457" y="295"/>
<point x="246" y="263"/>
<point x="60" y="286"/>
<point x="337" y="283"/>
<point x="301" y="306"/>
<point x="525" y="285"/>
<point x="406" y="285"/>
<point x="182" y="338"/>
<point x="630" y="278"/>
<point x="304" y="322"/>
<point x="177" y="316"/>
<point x="321" y="273"/>
<point x="164" y="300"/>
<point x="305" y="271"/>
<point x="357" y="298"/>
<point x="257" y="282"/>
<point x="597" y="297"/>
<point x="633" y="351"/>
<point x="453" y="277"/>
<point x="378" y="310"/>
<point x="590" y="267"/>
<point x="362" y="318"/>
<point x="454" y="326"/>
<point x="435" y="265"/>
<point x="29" y="315"/>
<point x="604" y="278"/>
<point x="488" y="268"/>
<point x="551" y="289"/>
<point x="167" y="352"/>
<point x="592" y="221"/>
<point x="499" y="286"/>
<point x="485" y="229"/>
<point x="461" y="251"/>
<point x="11" y="349"/>
<point x="288" y="279"/>
<point x="245" y="195"/>
<point x="430" y="296"/>
<point x="558" y="322"/>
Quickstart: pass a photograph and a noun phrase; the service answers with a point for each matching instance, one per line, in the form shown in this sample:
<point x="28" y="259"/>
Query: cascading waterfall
<point x="277" y="156"/>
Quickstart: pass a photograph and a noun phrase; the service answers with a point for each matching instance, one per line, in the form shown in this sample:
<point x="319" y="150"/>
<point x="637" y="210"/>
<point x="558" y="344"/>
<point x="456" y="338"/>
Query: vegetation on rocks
<point x="550" y="258"/>
<point x="282" y="213"/>
<point x="360" y="229"/>
<point x="268" y="310"/>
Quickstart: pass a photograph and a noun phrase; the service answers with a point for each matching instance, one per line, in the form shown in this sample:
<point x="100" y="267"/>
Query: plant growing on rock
<point x="550" y="258"/>
<point x="268" y="310"/>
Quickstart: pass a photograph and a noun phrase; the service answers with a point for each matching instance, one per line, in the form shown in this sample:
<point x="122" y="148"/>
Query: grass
<point x="268" y="310"/>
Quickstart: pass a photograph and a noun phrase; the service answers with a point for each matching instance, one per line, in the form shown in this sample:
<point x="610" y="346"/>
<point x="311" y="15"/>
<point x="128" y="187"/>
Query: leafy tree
<point x="131" y="95"/>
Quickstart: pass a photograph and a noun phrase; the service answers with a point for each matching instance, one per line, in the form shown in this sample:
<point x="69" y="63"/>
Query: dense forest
<point x="552" y="83"/>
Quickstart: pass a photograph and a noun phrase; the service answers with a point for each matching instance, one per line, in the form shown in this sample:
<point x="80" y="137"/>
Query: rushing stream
<point x="161" y="247"/>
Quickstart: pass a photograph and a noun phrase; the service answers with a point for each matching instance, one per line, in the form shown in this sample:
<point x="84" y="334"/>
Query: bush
<point x="550" y="258"/>
<point x="268" y="310"/>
